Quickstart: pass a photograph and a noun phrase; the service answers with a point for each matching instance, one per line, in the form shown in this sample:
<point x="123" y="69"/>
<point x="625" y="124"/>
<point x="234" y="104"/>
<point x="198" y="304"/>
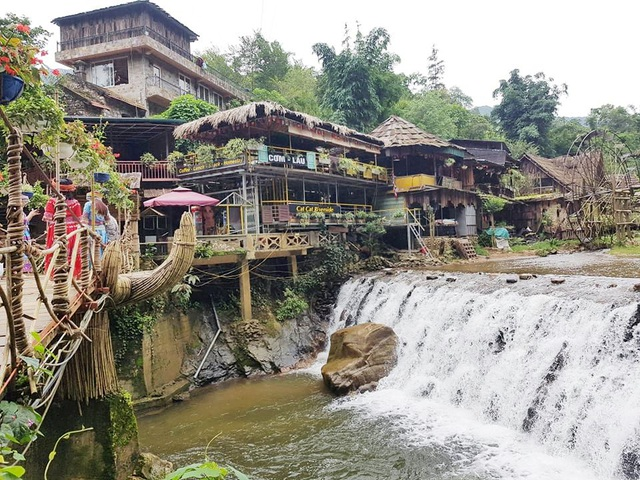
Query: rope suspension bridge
<point x="57" y="339"/>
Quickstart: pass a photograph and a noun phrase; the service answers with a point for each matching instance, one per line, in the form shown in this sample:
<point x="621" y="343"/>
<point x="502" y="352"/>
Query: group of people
<point x="94" y="214"/>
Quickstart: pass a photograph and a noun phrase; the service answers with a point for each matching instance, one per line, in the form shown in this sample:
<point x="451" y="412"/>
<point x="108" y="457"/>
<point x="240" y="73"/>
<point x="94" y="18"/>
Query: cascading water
<point x="524" y="380"/>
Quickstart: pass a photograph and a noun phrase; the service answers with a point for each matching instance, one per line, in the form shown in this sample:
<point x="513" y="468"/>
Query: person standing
<point x="96" y="221"/>
<point x="73" y="212"/>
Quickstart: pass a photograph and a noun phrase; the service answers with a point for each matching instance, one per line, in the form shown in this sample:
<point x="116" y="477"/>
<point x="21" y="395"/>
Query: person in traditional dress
<point x="96" y="221"/>
<point x="73" y="214"/>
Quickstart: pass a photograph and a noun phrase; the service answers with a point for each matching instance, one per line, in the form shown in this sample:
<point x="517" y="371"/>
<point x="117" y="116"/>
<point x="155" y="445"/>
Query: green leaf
<point x="239" y="475"/>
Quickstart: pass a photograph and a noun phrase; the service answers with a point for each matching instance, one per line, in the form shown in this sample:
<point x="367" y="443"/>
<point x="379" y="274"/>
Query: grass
<point x="625" y="250"/>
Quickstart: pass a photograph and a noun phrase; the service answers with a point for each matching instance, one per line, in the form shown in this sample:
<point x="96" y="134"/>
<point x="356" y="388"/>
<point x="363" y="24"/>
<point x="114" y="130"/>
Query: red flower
<point x="116" y="155"/>
<point x="56" y="72"/>
<point x="23" y="28"/>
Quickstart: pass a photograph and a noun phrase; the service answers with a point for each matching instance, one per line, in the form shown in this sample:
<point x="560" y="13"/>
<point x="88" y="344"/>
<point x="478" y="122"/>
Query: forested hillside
<point x="357" y="86"/>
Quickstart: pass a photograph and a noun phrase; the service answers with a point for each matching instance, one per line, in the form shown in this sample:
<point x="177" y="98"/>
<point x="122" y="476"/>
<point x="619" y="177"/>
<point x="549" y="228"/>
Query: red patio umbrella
<point x="181" y="197"/>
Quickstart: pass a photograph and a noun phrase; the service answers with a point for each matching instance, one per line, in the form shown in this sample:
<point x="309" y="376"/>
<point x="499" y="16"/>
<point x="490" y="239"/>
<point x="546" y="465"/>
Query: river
<point x="529" y="380"/>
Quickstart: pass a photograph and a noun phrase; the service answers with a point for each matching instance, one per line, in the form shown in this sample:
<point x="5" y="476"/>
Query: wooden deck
<point x="30" y="297"/>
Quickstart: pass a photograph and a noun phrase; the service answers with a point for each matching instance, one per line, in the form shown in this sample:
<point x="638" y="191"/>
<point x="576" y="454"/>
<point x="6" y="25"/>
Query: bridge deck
<point x="29" y="300"/>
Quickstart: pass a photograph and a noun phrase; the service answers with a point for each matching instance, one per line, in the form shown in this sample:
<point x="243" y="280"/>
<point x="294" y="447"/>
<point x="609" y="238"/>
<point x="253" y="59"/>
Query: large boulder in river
<point x="359" y="357"/>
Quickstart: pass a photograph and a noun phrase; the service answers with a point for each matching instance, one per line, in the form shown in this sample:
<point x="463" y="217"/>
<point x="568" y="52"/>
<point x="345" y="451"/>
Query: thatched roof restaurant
<point x="279" y="125"/>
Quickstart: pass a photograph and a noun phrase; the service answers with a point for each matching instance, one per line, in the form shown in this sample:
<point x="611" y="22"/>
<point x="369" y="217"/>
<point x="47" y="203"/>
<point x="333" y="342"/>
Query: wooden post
<point x="293" y="265"/>
<point x="244" y="288"/>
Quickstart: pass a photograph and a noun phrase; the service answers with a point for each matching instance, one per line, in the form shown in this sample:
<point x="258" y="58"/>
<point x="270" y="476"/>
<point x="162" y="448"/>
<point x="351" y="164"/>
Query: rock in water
<point x="359" y="357"/>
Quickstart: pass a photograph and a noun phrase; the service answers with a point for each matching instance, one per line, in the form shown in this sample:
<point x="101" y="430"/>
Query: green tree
<point x="436" y="68"/>
<point x="442" y="113"/>
<point x="298" y="88"/>
<point x="527" y="107"/>
<point x="262" y="63"/>
<point x="563" y="134"/>
<point x="620" y="120"/>
<point x="493" y="205"/>
<point x="358" y="85"/>
<point x="187" y="108"/>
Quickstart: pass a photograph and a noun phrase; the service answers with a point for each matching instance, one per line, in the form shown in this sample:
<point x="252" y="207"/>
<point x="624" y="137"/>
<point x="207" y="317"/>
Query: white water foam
<point x="528" y="381"/>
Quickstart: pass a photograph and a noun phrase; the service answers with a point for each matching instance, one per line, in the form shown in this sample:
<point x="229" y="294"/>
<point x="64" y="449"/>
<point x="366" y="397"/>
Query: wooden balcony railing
<point x="158" y="172"/>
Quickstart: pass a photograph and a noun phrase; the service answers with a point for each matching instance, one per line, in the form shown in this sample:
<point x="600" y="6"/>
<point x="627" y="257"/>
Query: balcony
<point x="414" y="182"/>
<point x="151" y="42"/>
<point x="295" y="161"/>
<point x="159" y="172"/>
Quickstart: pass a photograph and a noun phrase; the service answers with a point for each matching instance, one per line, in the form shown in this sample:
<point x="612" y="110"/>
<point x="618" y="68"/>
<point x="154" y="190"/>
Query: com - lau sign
<point x="295" y="159"/>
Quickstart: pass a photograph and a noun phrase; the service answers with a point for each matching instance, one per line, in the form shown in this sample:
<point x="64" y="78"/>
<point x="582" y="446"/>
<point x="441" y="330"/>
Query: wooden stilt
<point x="244" y="287"/>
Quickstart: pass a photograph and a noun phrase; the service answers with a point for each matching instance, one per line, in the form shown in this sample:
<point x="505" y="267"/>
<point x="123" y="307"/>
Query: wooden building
<point x="300" y="170"/>
<point x="432" y="177"/>
<point x="141" y="53"/>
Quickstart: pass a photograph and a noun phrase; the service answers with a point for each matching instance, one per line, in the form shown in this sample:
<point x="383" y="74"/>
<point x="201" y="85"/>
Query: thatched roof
<point x="239" y="116"/>
<point x="397" y="132"/>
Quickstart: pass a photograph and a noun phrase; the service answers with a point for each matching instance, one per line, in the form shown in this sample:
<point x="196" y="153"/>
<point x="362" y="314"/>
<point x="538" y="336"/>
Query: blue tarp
<point x="500" y="232"/>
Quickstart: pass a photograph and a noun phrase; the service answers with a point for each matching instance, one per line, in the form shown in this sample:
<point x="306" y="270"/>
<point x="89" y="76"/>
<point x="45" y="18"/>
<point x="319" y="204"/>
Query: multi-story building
<point x="142" y="54"/>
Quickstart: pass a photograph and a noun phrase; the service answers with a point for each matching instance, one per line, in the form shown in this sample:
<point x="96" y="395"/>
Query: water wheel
<point x="604" y="172"/>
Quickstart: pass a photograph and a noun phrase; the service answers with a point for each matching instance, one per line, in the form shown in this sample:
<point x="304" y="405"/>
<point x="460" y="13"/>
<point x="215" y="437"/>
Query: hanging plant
<point x="148" y="159"/>
<point x="449" y="162"/>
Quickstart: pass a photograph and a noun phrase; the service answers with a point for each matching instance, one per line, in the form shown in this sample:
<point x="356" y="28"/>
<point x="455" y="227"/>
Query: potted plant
<point x="304" y="218"/>
<point x="148" y="159"/>
<point x="318" y="217"/>
<point x="173" y="160"/>
<point x="27" y="190"/>
<point x="361" y="216"/>
<point x="20" y="62"/>
<point x="348" y="218"/>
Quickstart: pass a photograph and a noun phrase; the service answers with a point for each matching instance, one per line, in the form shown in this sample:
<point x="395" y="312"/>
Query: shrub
<point x="291" y="307"/>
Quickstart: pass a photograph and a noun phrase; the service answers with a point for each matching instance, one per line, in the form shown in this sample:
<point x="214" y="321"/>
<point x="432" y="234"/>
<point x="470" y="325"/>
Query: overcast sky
<point x="593" y="47"/>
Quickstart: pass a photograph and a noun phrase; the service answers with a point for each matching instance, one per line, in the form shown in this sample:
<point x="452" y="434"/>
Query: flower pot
<point x="101" y="177"/>
<point x="11" y="88"/>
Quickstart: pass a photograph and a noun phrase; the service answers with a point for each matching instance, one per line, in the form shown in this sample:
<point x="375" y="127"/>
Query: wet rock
<point x="359" y="357"/>
<point x="532" y="414"/>
<point x="432" y="277"/>
<point x="557" y="281"/>
<point x="636" y="287"/>
<point x="151" y="467"/>
<point x="181" y="397"/>
<point x="526" y="276"/>
<point x="511" y="280"/>
<point x="451" y="279"/>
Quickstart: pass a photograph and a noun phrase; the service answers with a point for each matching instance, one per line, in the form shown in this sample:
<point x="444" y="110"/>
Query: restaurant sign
<point x="326" y="208"/>
<point x="295" y="159"/>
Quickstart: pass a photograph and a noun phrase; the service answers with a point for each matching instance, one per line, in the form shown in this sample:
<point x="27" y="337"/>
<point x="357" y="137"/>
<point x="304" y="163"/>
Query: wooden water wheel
<point x="604" y="174"/>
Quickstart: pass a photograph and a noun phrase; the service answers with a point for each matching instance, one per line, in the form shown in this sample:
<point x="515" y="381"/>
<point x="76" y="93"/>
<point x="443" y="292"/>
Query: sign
<point x="298" y="160"/>
<point x="326" y="208"/>
<point x="214" y="164"/>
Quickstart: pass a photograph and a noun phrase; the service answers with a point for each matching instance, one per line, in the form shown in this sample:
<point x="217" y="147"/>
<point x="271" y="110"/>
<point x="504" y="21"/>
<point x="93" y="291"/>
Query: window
<point x="204" y="93"/>
<point x="184" y="84"/>
<point x="156" y="73"/>
<point x="102" y="74"/>
<point x="217" y="100"/>
<point x="110" y="73"/>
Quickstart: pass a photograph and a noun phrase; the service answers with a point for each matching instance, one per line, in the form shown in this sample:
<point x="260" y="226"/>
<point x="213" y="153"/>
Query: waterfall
<point x="528" y="379"/>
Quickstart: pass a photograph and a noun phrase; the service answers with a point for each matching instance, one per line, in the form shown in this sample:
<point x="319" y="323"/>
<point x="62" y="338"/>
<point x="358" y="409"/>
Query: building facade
<point x="141" y="53"/>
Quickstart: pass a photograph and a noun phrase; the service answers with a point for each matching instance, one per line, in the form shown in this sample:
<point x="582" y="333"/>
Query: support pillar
<point x="244" y="288"/>
<point x="293" y="266"/>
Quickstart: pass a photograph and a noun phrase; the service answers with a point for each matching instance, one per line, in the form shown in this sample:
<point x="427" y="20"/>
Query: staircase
<point x="415" y="229"/>
<point x="465" y="248"/>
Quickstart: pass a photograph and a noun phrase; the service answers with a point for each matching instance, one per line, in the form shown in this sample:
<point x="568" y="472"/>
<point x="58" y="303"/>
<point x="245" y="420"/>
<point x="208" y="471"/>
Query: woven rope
<point x="15" y="234"/>
<point x="132" y="288"/>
